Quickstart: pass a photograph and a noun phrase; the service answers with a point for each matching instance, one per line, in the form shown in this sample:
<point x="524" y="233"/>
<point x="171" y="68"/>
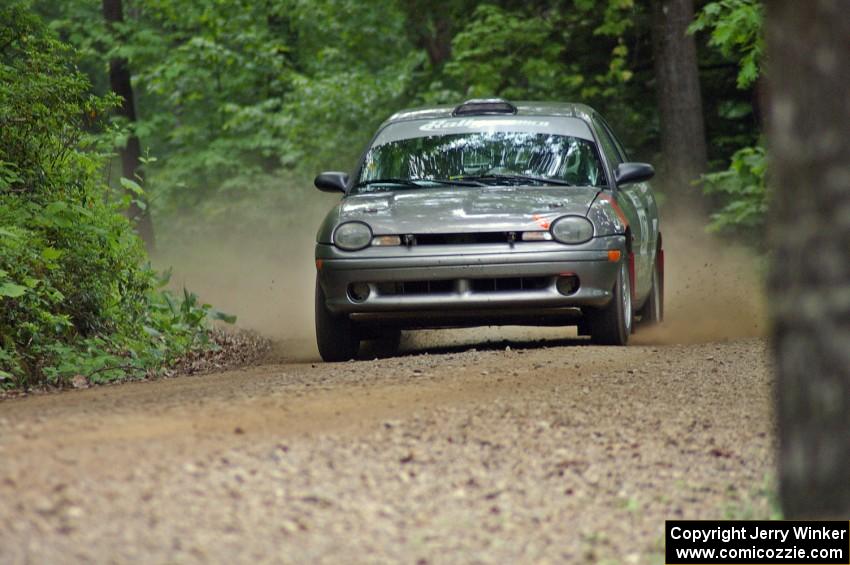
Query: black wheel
<point x="336" y="336"/>
<point x="652" y="313"/>
<point x="612" y="324"/>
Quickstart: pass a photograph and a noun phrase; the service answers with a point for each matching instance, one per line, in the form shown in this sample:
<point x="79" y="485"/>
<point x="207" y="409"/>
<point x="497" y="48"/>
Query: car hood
<point x="463" y="210"/>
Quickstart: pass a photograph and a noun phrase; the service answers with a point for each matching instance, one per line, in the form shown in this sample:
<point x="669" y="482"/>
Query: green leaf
<point x="132" y="186"/>
<point x="12" y="290"/>
<point x="50" y="253"/>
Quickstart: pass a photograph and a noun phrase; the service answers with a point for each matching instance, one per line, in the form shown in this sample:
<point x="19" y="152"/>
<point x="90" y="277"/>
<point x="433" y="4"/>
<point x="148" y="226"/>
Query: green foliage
<point x="578" y="52"/>
<point x="238" y="98"/>
<point x="505" y="53"/>
<point x="742" y="192"/>
<point x="241" y="102"/>
<point x="353" y="67"/>
<point x="736" y="30"/>
<point x="75" y="295"/>
<point x="529" y="55"/>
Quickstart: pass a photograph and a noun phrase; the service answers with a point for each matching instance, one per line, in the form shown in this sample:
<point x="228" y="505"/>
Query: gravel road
<point x="542" y="452"/>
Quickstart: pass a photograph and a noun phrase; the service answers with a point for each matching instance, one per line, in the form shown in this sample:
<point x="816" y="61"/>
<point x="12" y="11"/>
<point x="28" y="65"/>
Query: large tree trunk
<point x="683" y="145"/>
<point x="808" y="46"/>
<point x="119" y="79"/>
<point x="431" y="29"/>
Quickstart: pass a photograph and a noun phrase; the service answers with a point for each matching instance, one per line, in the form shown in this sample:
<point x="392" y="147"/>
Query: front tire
<point x="336" y="336"/>
<point x="612" y="324"/>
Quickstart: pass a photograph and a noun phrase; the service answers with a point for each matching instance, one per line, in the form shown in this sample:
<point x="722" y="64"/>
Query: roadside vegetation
<point x="77" y="296"/>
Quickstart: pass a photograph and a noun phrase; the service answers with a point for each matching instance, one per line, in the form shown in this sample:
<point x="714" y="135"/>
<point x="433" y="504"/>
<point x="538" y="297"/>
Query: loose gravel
<point x="567" y="453"/>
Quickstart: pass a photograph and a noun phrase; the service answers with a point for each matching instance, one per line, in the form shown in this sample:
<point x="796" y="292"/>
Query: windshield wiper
<point x="464" y="181"/>
<point x="419" y="182"/>
<point x="522" y="178"/>
<point x="403" y="182"/>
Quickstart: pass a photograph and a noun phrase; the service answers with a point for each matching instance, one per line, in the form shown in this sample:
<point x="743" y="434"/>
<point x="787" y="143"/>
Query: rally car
<point x="488" y="213"/>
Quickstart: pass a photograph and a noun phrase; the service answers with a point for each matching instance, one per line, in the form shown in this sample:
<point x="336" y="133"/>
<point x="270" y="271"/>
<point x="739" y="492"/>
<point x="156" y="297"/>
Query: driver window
<point x="608" y="146"/>
<point x="620" y="148"/>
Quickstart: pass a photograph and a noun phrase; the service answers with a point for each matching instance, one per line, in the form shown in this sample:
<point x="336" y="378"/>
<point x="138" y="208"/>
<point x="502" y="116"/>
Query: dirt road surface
<point x="542" y="452"/>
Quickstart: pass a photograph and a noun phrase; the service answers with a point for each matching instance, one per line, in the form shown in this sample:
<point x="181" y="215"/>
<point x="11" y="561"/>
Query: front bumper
<point x="453" y="279"/>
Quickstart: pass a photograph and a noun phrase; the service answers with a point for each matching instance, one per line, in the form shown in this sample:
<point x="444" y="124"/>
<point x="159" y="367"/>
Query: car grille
<point x="464" y="238"/>
<point x="474" y="286"/>
<point x="415" y="288"/>
<point x="509" y="284"/>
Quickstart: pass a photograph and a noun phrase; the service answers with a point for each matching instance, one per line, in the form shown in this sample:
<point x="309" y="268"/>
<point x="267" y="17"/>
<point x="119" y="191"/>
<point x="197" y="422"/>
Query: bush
<point x="742" y="194"/>
<point x="76" y="294"/>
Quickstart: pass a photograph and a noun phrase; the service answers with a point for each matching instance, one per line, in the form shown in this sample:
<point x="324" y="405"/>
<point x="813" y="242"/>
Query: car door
<point x="638" y="204"/>
<point x="642" y="191"/>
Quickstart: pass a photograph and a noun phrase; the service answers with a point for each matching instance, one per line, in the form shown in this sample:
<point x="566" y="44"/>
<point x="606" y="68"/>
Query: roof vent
<point x="484" y="106"/>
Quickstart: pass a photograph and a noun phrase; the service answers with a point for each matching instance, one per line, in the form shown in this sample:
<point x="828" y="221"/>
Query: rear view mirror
<point x="331" y="182"/>
<point x="633" y="172"/>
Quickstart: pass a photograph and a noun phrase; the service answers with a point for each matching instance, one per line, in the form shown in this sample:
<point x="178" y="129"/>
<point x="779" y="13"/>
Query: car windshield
<point x="480" y="158"/>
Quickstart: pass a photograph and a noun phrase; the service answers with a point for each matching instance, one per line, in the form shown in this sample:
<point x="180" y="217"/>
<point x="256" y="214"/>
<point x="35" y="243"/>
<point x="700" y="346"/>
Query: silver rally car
<point x="488" y="213"/>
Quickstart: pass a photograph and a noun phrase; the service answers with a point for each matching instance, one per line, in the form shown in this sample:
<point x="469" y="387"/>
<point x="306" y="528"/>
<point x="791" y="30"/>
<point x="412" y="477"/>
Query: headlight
<point x="572" y="229"/>
<point x="352" y="236"/>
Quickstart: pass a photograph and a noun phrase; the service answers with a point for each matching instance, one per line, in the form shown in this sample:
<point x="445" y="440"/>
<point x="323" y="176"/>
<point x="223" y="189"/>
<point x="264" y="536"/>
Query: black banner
<point x="695" y="542"/>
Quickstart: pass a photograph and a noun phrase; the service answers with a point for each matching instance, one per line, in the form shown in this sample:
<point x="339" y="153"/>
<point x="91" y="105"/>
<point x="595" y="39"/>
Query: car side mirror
<point x="331" y="182"/>
<point x="633" y="172"/>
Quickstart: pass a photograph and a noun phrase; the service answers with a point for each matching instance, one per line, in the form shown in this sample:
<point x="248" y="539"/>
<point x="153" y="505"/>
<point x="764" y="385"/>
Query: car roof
<point x="524" y="108"/>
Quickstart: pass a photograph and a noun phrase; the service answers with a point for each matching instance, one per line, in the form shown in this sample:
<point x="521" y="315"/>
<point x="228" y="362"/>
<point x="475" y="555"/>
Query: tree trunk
<point x="808" y="46"/>
<point x="119" y="79"/>
<point x="432" y="25"/>
<point x="683" y="145"/>
<point x="431" y="31"/>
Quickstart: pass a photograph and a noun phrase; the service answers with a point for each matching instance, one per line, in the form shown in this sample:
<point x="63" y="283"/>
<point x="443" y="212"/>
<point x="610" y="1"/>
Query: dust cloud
<point x="713" y="289"/>
<point x="266" y="278"/>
